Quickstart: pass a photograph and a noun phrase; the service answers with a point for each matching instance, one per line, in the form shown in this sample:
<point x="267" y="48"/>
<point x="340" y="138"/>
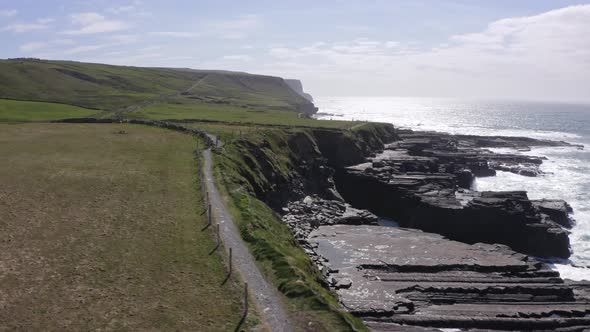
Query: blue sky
<point x="529" y="49"/>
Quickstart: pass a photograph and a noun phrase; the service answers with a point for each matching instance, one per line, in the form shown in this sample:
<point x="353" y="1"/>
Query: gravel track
<point x="265" y="295"/>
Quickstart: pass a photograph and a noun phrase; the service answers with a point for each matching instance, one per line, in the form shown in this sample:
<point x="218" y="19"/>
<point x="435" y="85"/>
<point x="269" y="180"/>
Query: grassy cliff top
<point x="110" y="88"/>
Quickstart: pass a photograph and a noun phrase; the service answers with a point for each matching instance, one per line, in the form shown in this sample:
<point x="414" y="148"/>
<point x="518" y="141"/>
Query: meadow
<point x="102" y="231"/>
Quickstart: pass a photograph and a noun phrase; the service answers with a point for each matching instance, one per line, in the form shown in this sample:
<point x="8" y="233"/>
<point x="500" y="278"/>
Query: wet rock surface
<point x="423" y="181"/>
<point x="400" y="279"/>
<point x="308" y="214"/>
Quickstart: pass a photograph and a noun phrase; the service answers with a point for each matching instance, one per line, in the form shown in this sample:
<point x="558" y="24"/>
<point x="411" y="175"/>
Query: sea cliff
<point x="474" y="252"/>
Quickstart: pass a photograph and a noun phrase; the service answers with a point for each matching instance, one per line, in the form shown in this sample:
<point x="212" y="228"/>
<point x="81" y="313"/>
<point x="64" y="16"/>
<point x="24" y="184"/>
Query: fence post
<point x="230" y="264"/>
<point x="209" y="215"/>
<point x="218" y="236"/>
<point x="245" y="299"/>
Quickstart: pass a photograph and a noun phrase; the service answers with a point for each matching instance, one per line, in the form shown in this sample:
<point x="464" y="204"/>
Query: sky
<point x="525" y="49"/>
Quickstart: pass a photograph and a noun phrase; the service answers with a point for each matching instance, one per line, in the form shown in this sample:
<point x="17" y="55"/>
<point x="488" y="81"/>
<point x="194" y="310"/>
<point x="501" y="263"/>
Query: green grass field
<point x="111" y="88"/>
<point x="232" y="114"/>
<point x="148" y="93"/>
<point x="102" y="231"/>
<point x="14" y="111"/>
<point x="103" y="226"/>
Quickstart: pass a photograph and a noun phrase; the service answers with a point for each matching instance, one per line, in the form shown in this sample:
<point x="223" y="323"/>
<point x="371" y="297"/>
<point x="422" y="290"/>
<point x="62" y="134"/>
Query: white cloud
<point x="8" y="13"/>
<point x="33" y="46"/>
<point x="124" y="39"/>
<point x="24" y="27"/>
<point x="133" y="8"/>
<point x="38" y="45"/>
<point x="92" y="23"/>
<point x="391" y="44"/>
<point x="85" y="48"/>
<point x="540" y="56"/>
<point x="121" y="9"/>
<point x="236" y="28"/>
<point x="40" y="24"/>
<point x="46" y="20"/>
<point x="175" y="34"/>
<point x="237" y="57"/>
<point x="151" y="48"/>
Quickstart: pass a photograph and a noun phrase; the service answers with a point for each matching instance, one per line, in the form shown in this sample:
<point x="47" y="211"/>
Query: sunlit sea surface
<point x="567" y="170"/>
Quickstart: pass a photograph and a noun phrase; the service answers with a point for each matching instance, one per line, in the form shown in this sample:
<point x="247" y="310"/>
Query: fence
<point x="210" y="217"/>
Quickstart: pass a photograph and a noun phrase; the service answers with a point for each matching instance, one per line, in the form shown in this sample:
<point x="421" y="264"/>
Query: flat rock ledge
<point x="399" y="279"/>
<point x="424" y="181"/>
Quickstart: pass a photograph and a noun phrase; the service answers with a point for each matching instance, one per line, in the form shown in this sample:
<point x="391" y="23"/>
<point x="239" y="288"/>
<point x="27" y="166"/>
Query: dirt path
<point x="157" y="99"/>
<point x="266" y="297"/>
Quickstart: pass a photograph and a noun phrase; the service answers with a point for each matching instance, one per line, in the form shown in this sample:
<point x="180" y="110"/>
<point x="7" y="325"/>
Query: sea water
<point x="566" y="170"/>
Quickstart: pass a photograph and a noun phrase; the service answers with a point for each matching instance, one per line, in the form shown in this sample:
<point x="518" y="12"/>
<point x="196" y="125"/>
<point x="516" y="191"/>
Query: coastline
<point x="566" y="171"/>
<point x="363" y="261"/>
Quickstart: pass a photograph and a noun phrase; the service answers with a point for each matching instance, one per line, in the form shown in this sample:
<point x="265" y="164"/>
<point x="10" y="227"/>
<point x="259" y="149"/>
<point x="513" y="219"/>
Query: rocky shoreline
<point x="460" y="258"/>
<point x="423" y="181"/>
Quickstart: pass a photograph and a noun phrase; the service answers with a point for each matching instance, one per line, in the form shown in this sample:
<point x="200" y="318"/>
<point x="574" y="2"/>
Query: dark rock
<point x="557" y="211"/>
<point x="416" y="182"/>
<point x="312" y="212"/>
<point x="465" y="179"/>
<point x="402" y="277"/>
<point x="298" y="87"/>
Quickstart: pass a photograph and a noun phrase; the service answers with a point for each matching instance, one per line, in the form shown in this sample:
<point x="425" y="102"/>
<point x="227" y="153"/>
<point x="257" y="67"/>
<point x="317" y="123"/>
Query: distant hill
<point x="112" y="88"/>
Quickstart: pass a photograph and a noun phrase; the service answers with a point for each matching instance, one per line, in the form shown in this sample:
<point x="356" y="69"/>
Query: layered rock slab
<point x="392" y="276"/>
<point x="423" y="182"/>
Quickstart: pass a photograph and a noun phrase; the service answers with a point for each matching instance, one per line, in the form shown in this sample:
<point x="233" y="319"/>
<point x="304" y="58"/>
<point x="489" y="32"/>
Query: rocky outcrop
<point x="298" y="87"/>
<point x="286" y="165"/>
<point x="417" y="181"/>
<point x="402" y="280"/>
<point x="308" y="214"/>
<point x="555" y="210"/>
<point x="347" y="148"/>
<point x="307" y="108"/>
<point x="399" y="279"/>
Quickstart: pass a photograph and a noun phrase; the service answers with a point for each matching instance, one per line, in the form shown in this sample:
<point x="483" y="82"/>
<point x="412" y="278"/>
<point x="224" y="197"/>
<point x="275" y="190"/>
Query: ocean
<point x="566" y="172"/>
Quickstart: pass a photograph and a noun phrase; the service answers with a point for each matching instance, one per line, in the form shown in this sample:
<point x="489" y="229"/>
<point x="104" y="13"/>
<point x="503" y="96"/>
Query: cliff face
<point x="284" y="166"/>
<point x="298" y="87"/>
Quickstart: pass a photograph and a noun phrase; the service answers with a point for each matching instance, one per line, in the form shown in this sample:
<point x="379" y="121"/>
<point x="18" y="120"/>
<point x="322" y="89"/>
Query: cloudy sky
<point x="525" y="49"/>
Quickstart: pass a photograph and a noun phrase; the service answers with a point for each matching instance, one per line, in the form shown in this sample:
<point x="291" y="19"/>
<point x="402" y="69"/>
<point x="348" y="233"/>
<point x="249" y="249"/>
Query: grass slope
<point x="101" y="231"/>
<point x="14" y="111"/>
<point x="283" y="261"/>
<point x="233" y="115"/>
<point x="107" y="87"/>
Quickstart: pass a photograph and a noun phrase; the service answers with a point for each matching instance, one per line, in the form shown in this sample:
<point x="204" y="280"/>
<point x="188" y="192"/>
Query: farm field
<point x="101" y="229"/>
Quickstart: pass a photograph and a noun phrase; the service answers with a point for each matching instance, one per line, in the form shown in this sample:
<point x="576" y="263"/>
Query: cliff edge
<point x="298" y="87"/>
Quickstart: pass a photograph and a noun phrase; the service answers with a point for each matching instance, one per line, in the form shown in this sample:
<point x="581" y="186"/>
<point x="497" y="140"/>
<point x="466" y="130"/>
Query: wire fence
<point x="210" y="221"/>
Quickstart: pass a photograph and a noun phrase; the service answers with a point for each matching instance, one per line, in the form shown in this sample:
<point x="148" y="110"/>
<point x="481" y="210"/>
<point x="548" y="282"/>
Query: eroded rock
<point x="423" y="181"/>
<point x="404" y="277"/>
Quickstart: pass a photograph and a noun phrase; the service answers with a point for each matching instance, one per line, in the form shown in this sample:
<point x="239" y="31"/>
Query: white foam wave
<point x="567" y="176"/>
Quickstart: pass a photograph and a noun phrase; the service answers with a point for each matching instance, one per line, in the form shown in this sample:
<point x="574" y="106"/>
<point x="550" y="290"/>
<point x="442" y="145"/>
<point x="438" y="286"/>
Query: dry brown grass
<point x="101" y="231"/>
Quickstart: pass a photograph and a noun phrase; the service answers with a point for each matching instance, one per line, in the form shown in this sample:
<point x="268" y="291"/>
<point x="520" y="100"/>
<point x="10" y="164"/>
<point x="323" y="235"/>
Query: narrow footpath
<point x="265" y="295"/>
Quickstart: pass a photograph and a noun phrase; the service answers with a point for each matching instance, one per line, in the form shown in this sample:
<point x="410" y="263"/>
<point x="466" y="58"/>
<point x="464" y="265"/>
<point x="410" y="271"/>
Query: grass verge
<point x="282" y="260"/>
<point x="232" y="114"/>
<point x="16" y="111"/>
